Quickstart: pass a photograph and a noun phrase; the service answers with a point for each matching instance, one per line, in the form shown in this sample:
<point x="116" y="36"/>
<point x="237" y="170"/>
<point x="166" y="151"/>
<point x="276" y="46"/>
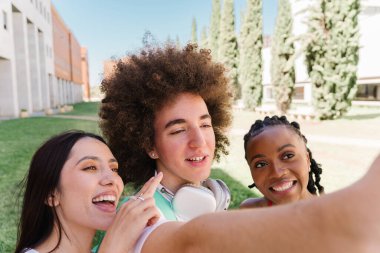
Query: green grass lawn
<point x="85" y="109"/>
<point x="19" y="139"/>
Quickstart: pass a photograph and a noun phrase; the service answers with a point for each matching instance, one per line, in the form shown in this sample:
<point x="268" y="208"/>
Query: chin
<point x="104" y="223"/>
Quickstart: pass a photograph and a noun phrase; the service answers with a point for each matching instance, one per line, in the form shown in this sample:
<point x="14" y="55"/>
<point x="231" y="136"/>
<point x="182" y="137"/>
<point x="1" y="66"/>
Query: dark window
<point x="367" y="92"/>
<point x="5" y="23"/>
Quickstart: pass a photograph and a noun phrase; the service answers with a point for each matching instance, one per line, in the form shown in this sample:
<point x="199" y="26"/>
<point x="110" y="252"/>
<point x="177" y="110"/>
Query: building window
<point x="5" y="23"/>
<point x="299" y="93"/>
<point x="367" y="92"/>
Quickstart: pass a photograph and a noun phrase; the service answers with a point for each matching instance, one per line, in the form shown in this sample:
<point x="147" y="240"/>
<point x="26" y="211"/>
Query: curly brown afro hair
<point x="141" y="85"/>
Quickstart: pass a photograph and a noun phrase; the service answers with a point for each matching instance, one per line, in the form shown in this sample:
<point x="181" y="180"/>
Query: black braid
<point x="315" y="168"/>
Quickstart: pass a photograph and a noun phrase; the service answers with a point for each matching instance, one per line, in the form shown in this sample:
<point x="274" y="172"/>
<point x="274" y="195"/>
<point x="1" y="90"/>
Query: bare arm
<point x="344" y="221"/>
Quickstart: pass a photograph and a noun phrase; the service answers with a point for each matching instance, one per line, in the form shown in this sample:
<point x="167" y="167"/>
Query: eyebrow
<point x="181" y="121"/>
<point x="278" y="150"/>
<point x="285" y="146"/>
<point x="95" y="158"/>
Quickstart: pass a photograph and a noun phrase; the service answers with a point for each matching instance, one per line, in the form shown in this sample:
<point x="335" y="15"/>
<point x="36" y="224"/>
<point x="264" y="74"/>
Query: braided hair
<point x="315" y="168"/>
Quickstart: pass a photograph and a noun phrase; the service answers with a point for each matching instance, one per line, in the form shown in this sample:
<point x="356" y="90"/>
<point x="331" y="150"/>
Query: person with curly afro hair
<point x="167" y="110"/>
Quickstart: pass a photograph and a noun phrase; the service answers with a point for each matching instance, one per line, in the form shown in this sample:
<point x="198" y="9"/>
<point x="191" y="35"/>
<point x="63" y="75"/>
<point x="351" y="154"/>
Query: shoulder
<point x="254" y="202"/>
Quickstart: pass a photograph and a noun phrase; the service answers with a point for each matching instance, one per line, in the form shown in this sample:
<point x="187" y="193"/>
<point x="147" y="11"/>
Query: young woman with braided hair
<point x="282" y="166"/>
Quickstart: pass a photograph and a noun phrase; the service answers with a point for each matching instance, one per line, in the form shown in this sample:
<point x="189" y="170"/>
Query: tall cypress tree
<point x="282" y="63"/>
<point x="215" y="29"/>
<point x="194" y="37"/>
<point x="204" y="39"/>
<point x="251" y="44"/>
<point x="228" y="47"/>
<point x="332" y="55"/>
<point x="177" y="41"/>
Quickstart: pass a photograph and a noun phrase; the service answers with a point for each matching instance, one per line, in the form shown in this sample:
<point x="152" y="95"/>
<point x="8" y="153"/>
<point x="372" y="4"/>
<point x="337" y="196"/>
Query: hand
<point x="133" y="216"/>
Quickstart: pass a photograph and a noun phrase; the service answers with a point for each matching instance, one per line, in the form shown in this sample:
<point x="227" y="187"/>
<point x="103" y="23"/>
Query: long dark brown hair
<point x="37" y="217"/>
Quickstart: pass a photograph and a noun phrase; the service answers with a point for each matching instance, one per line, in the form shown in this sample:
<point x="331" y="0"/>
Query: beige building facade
<point x="40" y="59"/>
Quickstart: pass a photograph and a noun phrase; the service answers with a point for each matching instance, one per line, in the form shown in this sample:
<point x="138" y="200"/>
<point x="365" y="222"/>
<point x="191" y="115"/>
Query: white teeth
<point x="196" y="159"/>
<point x="110" y="198"/>
<point x="283" y="187"/>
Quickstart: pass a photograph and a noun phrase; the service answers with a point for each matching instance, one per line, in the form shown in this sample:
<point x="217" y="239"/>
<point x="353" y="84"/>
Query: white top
<point x="31" y="251"/>
<point x="147" y="231"/>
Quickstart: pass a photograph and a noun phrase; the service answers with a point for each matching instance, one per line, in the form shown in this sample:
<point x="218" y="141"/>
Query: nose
<point x="278" y="168"/>
<point x="108" y="177"/>
<point x="197" y="138"/>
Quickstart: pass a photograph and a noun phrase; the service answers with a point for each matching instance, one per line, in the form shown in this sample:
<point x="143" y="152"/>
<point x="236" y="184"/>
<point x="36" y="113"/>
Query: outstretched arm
<point x="344" y="221"/>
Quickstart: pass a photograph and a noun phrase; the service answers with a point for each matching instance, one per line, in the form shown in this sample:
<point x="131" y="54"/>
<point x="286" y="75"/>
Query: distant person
<point x="282" y="166"/>
<point x="72" y="190"/>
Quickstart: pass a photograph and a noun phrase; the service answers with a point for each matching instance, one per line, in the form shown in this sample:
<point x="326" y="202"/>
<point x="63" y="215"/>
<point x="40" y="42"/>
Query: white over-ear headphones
<point x="191" y="201"/>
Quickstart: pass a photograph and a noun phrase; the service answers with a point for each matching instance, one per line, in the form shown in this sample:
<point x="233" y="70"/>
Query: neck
<point x="73" y="240"/>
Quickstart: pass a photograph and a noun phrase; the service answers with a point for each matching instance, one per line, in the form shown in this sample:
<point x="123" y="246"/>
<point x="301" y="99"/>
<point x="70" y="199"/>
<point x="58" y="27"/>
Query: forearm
<point x="344" y="221"/>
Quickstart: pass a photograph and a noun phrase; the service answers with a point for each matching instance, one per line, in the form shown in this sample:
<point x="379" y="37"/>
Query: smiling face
<point x="279" y="164"/>
<point x="184" y="141"/>
<point x="89" y="187"/>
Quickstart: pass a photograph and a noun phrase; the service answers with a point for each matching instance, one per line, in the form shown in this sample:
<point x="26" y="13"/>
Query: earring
<point x="153" y="155"/>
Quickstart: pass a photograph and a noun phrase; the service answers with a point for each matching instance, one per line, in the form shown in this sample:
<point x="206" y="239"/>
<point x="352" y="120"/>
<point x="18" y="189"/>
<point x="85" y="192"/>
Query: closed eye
<point x="177" y="131"/>
<point x="206" y="125"/>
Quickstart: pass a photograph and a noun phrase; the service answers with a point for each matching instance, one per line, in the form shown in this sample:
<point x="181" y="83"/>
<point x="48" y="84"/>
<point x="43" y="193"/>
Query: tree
<point x="332" y="55"/>
<point x="282" y="62"/>
<point x="194" y="38"/>
<point x="215" y="29"/>
<point x="228" y="47"/>
<point x="204" y="40"/>
<point x="177" y="41"/>
<point x="251" y="44"/>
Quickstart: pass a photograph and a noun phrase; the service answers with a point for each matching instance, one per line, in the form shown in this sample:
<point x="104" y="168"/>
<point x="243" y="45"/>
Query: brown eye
<point x="260" y="164"/>
<point x="287" y="156"/>
<point x="92" y="167"/>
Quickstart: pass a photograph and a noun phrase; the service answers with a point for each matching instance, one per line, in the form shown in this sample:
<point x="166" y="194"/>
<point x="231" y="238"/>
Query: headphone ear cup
<point x="191" y="201"/>
<point x="221" y="193"/>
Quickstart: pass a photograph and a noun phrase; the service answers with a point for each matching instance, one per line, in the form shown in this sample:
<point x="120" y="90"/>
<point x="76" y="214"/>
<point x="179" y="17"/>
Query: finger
<point x="145" y="187"/>
<point x="137" y="206"/>
<point x="150" y="216"/>
<point x="152" y="185"/>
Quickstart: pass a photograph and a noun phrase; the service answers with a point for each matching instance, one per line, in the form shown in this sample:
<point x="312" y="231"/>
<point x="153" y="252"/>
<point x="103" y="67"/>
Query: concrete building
<point x="368" y="68"/>
<point x="40" y="59"/>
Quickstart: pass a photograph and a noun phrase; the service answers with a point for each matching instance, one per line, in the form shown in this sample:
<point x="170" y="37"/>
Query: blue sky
<point x="112" y="28"/>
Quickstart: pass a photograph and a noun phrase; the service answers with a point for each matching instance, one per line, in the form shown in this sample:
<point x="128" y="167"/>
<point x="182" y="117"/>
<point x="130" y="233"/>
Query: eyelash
<point x="183" y="130"/>
<point x="287" y="154"/>
<point x="92" y="167"/>
<point x="259" y="163"/>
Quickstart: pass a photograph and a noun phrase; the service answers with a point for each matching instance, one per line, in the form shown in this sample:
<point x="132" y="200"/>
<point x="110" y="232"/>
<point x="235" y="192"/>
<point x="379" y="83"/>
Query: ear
<point x="308" y="160"/>
<point x="53" y="199"/>
<point x="153" y="154"/>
